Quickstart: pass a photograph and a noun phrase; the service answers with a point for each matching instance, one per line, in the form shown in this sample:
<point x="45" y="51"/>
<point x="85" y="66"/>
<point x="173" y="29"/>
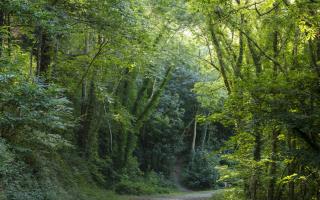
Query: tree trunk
<point x="275" y="133"/>
<point x="194" y="136"/>
<point x="45" y="54"/>
<point x="2" y="23"/>
<point x="111" y="136"/>
<point x="44" y="51"/>
<point x="218" y="48"/>
<point x="257" y="134"/>
<point x="92" y="122"/>
<point x="153" y="99"/>
<point x="9" y="40"/>
<point x="291" y="168"/>
<point x="318" y="192"/>
<point x="55" y="58"/>
<point x="204" y="137"/>
<point x="256" y="57"/>
<point x="295" y="50"/>
<point x="31" y="64"/>
<point x="140" y="95"/>
<point x="257" y="158"/>
<point x="273" y="166"/>
<point x="241" y="51"/>
<point x="39" y="44"/>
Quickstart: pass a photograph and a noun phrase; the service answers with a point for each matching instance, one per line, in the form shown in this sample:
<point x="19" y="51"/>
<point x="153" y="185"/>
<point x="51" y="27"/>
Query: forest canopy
<point x="143" y="97"/>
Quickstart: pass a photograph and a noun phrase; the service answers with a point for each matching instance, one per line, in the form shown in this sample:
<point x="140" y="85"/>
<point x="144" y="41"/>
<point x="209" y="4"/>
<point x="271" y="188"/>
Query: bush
<point x="200" y="173"/>
<point x="152" y="183"/>
<point x="230" y="194"/>
<point x="29" y="175"/>
<point x="134" y="188"/>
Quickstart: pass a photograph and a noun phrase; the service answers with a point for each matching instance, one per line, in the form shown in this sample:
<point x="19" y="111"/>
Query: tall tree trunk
<point x="9" y="39"/>
<point x="241" y="51"/>
<point x="86" y="123"/>
<point x="110" y="135"/>
<point x="273" y="166"/>
<point x="295" y="49"/>
<point x="44" y="51"/>
<point x="257" y="134"/>
<point x="39" y="44"/>
<point x="83" y="111"/>
<point x="291" y="168"/>
<point x="2" y="23"/>
<point x="140" y="95"/>
<point x="131" y="136"/>
<point x="130" y="145"/>
<point x="92" y="122"/>
<point x="256" y="57"/>
<point x="275" y="132"/>
<point x="45" y="54"/>
<point x="31" y="64"/>
<point x="223" y="69"/>
<point x="153" y="99"/>
<point x="55" y="58"/>
<point x="257" y="157"/>
<point x="194" y="136"/>
<point x="318" y="190"/>
<point x="204" y="136"/>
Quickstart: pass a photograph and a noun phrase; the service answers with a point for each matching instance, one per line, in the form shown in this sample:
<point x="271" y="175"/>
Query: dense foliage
<point x="267" y="53"/>
<point x="140" y="96"/>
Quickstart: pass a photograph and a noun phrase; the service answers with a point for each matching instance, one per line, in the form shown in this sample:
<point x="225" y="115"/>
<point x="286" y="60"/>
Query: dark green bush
<point x="151" y="183"/>
<point x="133" y="187"/>
<point x="200" y="172"/>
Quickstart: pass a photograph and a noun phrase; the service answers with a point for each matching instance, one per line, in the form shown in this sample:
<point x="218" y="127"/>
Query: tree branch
<point x="102" y="45"/>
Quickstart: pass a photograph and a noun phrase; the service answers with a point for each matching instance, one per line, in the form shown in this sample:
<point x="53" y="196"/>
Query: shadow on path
<point x="184" y="196"/>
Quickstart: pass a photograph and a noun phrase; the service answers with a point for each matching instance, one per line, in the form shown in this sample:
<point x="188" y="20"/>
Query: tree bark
<point x="2" y="23"/>
<point x="204" y="137"/>
<point x="241" y="51"/>
<point x="218" y="49"/>
<point x="194" y="136"/>
<point x="256" y="57"/>
<point x="44" y="51"/>
<point x="291" y="169"/>
<point x="9" y="40"/>
<point x="258" y="140"/>
<point x="45" y="54"/>
<point x="154" y="98"/>
<point x="275" y="133"/>
<point x="257" y="157"/>
<point x="273" y="166"/>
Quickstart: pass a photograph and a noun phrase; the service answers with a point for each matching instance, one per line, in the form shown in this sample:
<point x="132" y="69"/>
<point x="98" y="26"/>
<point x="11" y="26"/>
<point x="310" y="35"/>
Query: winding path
<point x="204" y="195"/>
<point x="185" y="193"/>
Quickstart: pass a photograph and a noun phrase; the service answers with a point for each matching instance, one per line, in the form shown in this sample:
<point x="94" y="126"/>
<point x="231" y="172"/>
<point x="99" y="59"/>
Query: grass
<point x="96" y="193"/>
<point x="228" y="194"/>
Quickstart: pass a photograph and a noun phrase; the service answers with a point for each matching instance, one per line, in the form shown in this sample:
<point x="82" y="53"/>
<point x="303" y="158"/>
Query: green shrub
<point x="34" y="122"/>
<point x="200" y="173"/>
<point x="134" y="188"/>
<point x="151" y="183"/>
<point x="229" y="194"/>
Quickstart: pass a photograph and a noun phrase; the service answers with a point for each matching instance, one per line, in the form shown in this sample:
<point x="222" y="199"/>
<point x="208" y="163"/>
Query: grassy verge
<point x="228" y="194"/>
<point x="96" y="193"/>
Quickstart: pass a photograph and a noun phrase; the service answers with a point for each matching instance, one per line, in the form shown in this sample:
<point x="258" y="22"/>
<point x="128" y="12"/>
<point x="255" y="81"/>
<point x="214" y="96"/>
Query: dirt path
<point x="185" y="193"/>
<point x="184" y="196"/>
<point x="176" y="176"/>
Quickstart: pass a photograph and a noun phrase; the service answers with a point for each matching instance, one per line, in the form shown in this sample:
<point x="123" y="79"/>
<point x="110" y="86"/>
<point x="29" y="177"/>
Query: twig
<point x="267" y="12"/>
<point x="102" y="45"/>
